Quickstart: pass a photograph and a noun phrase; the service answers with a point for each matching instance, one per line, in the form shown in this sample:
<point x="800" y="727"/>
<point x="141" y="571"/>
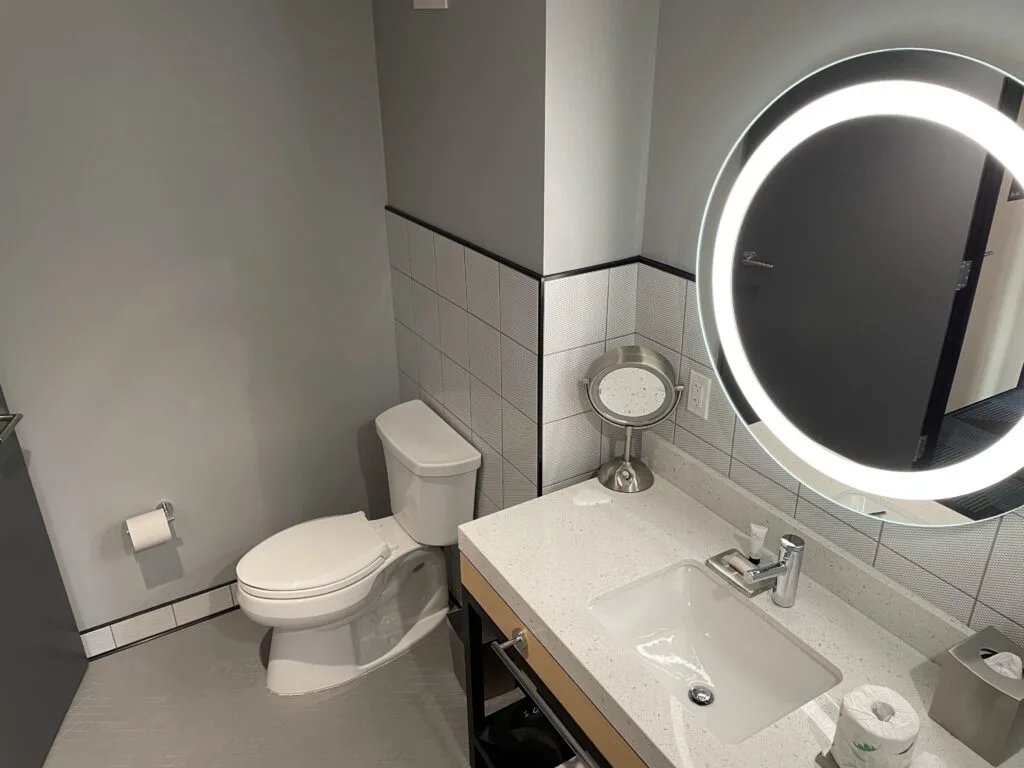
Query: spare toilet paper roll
<point x="148" y="530"/>
<point x="877" y="728"/>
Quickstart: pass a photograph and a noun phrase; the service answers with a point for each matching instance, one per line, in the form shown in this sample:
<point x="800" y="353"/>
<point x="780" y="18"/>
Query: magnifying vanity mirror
<point x="861" y="285"/>
<point x="631" y="387"/>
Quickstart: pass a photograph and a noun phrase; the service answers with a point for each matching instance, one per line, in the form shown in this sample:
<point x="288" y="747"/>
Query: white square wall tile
<point x="622" y="300"/>
<point x="613" y="442"/>
<point x="398" y="241"/>
<point x="570" y="447"/>
<point x="485" y="353"/>
<point x="485" y="507"/>
<point x="519" y="441"/>
<point x="575" y="311"/>
<point x="930" y="548"/>
<point x="516" y="489"/>
<point x="142" y="626"/>
<point x="518" y="376"/>
<point x="201" y="606"/>
<point x="764" y="488"/>
<point x="519" y="306"/>
<point x="746" y="448"/>
<point x="660" y="306"/>
<point x="490" y="469"/>
<point x="98" y="641"/>
<point x="454" y="329"/>
<point x="943" y="596"/>
<point x="407" y="344"/>
<point x="567" y="483"/>
<point x="455" y="386"/>
<point x="425" y="317"/>
<point x="428" y="360"/>
<point x="866" y="524"/>
<point x="984" y="617"/>
<point x="421" y="256"/>
<point x="704" y="452"/>
<point x="450" y="260"/>
<point x="432" y="402"/>
<point x="482" y="287"/>
<point x="485" y="413"/>
<point x="401" y="298"/>
<point x="719" y="426"/>
<point x="1003" y="588"/>
<point x="850" y="539"/>
<point x="407" y="388"/>
<point x="564" y="395"/>
<point x="693" y="338"/>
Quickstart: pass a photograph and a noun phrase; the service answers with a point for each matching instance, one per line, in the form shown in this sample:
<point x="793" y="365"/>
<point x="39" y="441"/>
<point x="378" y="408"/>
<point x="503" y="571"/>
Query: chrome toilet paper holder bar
<point x="165" y="505"/>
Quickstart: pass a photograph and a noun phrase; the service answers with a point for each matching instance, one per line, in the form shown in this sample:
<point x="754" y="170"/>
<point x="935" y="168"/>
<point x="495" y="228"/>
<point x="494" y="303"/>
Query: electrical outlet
<point x="698" y="395"/>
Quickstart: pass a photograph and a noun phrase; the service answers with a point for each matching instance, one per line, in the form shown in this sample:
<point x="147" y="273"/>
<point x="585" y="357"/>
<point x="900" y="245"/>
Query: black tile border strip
<point x="465" y="243"/>
<point x="156" y="607"/>
<point x="166" y="632"/>
<point x="623" y="263"/>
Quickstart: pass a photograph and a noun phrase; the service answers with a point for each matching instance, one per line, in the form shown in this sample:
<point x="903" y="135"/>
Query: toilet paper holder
<point x="165" y="505"/>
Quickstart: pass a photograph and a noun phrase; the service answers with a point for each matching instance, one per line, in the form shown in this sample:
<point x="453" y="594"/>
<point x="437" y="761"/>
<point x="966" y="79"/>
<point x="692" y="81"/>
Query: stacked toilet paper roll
<point x="877" y="728"/>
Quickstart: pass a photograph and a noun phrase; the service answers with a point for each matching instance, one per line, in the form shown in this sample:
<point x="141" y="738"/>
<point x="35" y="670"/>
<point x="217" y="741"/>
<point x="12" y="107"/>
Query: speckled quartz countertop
<point x="549" y="558"/>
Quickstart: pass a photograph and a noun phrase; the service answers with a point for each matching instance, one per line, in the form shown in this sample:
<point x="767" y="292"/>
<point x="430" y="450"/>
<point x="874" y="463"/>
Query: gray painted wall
<point x="194" y="296"/>
<point x="597" y="124"/>
<point x="462" y="106"/>
<point x="720" y="63"/>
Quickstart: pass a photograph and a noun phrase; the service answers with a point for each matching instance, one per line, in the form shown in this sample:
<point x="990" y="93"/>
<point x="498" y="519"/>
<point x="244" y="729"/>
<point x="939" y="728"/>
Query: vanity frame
<point x="489" y="619"/>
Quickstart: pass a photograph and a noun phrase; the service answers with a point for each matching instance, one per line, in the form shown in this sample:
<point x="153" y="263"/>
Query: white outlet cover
<point x="430" y="5"/>
<point x="698" y="394"/>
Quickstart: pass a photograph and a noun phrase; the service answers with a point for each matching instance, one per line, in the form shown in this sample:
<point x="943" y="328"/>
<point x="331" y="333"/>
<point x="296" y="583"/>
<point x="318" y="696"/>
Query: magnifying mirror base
<point x="625" y="475"/>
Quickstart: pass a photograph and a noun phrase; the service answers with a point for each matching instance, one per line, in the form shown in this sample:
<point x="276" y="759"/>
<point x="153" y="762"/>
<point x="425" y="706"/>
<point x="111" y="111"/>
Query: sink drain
<point x="701" y="695"/>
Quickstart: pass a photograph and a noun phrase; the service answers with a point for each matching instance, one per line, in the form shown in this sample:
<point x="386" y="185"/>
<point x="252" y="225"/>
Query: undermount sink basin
<point x="702" y="638"/>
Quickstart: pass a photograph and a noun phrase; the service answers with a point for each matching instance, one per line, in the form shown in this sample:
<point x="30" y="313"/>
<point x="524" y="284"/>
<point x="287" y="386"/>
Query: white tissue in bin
<point x="877" y="728"/>
<point x="1006" y="664"/>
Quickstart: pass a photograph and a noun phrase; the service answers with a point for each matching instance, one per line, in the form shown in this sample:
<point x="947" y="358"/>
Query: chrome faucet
<point x="785" y="573"/>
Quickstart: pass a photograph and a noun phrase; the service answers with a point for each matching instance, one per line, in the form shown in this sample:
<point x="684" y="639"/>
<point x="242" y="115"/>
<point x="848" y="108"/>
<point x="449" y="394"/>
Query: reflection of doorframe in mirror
<point x="980" y="203"/>
<point x="975" y="253"/>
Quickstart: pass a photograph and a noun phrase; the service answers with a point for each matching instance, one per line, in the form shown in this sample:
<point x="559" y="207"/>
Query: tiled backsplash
<point x="972" y="573"/>
<point x="468" y="336"/>
<point x="468" y="343"/>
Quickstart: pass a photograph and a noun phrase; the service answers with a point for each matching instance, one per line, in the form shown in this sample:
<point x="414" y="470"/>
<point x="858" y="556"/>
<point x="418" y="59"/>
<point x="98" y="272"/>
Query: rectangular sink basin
<point x="705" y="641"/>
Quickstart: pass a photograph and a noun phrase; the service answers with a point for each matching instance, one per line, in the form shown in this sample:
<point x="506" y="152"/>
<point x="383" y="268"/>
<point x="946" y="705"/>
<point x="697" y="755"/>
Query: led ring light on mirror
<point x="999" y="136"/>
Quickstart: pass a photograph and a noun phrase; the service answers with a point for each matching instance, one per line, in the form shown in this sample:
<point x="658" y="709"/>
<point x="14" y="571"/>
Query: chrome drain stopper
<point x="701" y="696"/>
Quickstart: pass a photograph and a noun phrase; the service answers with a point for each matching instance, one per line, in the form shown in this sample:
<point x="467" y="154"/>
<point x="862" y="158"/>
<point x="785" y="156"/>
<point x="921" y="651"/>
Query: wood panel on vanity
<point x="609" y="741"/>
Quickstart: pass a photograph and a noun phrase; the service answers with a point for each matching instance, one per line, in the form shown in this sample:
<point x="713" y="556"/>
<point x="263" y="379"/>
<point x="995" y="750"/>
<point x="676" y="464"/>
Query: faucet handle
<point x="790" y="543"/>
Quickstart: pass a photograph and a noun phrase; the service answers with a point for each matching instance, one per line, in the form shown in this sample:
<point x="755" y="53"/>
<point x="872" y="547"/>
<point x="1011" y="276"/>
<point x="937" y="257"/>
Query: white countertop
<point x="548" y="558"/>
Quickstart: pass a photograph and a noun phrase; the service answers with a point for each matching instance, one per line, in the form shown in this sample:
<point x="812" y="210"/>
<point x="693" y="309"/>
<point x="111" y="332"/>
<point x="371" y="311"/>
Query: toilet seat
<point x="314" y="558"/>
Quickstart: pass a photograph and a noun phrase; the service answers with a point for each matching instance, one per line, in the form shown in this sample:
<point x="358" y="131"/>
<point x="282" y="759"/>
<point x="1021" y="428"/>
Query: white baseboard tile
<point x="202" y="606"/>
<point x="100" y="641"/>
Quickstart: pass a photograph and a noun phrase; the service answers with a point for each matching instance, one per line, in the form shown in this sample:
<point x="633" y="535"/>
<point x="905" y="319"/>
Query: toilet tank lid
<point x="424" y="443"/>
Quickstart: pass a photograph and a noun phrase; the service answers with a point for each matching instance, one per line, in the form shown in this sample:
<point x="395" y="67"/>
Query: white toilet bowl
<point x="345" y="595"/>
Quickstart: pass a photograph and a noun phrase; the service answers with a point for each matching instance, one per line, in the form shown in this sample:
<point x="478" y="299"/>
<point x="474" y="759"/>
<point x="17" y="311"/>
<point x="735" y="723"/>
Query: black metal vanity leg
<point x="472" y="641"/>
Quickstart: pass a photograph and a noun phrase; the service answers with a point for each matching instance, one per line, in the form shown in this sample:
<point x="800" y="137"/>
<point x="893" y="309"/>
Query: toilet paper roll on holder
<point x="165" y="505"/>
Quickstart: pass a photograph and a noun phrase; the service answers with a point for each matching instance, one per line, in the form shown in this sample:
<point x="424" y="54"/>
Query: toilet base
<point x="413" y="603"/>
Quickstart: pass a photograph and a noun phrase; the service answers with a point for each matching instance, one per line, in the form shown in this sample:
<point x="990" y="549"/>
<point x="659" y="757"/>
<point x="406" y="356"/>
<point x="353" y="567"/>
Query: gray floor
<point x="197" y="698"/>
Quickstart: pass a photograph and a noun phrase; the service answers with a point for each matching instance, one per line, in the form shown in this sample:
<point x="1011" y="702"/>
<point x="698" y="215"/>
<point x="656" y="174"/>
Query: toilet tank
<point x="431" y="472"/>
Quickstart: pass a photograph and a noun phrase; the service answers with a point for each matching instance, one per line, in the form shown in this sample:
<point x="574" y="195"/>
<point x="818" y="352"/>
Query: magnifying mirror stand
<point x="625" y="474"/>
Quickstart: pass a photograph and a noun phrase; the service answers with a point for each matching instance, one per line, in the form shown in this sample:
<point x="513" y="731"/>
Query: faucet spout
<point x="785" y="573"/>
<point x="768" y="573"/>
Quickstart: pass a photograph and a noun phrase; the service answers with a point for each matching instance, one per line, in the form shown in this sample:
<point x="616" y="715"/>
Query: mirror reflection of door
<point x="867" y="228"/>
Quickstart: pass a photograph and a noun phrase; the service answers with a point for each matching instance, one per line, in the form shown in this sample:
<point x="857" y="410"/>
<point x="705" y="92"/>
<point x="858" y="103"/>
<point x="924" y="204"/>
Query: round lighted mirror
<point x="861" y="285"/>
<point x="632" y="387"/>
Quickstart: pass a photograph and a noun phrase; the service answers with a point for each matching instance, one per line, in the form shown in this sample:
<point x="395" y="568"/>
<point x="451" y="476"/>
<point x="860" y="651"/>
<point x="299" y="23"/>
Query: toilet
<point x="344" y="594"/>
